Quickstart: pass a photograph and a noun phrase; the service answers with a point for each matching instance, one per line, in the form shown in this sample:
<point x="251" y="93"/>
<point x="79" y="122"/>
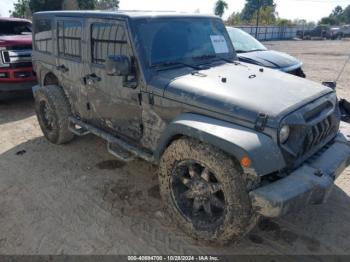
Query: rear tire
<point x="193" y="174"/>
<point x="53" y="110"/>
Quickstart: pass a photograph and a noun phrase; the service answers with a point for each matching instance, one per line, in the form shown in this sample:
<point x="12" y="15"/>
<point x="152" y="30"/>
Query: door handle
<point x="91" y="79"/>
<point x="62" y="68"/>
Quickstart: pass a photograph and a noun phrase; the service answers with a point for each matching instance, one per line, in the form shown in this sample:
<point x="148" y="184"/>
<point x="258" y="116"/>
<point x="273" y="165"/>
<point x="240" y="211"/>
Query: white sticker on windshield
<point x="219" y="44"/>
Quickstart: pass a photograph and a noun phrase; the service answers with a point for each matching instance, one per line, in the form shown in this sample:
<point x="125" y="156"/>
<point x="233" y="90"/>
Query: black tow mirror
<point x="118" y="65"/>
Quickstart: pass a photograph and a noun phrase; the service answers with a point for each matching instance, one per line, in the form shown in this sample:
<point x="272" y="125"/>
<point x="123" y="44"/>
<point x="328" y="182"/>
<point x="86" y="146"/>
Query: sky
<point x="311" y="10"/>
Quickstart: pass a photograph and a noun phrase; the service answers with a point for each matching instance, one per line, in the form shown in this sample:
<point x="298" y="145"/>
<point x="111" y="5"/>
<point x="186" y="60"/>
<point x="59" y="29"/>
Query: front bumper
<point x="15" y="90"/>
<point x="17" y="87"/>
<point x="309" y="184"/>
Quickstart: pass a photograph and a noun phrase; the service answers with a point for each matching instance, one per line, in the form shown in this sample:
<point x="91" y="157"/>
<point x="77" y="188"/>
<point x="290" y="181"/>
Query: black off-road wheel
<point x="52" y="110"/>
<point x="204" y="192"/>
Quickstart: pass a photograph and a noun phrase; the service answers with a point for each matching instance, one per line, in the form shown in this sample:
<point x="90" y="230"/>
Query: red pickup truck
<point x="16" y="71"/>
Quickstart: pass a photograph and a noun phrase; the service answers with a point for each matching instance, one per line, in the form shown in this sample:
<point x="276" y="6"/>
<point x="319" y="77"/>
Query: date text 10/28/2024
<point x="173" y="258"/>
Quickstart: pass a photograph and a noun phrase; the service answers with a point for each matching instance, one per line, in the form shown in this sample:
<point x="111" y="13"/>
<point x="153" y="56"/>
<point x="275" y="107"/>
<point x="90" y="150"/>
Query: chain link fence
<point x="274" y="32"/>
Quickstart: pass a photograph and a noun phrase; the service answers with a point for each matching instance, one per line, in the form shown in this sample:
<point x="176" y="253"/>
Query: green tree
<point x="87" y="4"/>
<point x="252" y="6"/>
<point x="107" y="4"/>
<point x="299" y="22"/>
<point x="346" y="15"/>
<point x="220" y="7"/>
<point x="267" y="15"/>
<point x="20" y="9"/>
<point x="45" y="5"/>
<point x="337" y="11"/>
<point x="70" y="5"/>
<point x="23" y="7"/>
<point x="283" y="21"/>
<point x="329" y="21"/>
<point x="337" y="17"/>
<point x="234" y="19"/>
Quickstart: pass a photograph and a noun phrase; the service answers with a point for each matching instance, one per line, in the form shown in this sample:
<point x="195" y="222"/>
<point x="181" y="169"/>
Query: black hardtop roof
<point x="121" y="13"/>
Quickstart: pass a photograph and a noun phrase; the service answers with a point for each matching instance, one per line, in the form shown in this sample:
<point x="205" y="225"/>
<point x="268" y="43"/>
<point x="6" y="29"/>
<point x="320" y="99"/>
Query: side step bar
<point x="120" y="153"/>
<point x="113" y="141"/>
<point x="80" y="131"/>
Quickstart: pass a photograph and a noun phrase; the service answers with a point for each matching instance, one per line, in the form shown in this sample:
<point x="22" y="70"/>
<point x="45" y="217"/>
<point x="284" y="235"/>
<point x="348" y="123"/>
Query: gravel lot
<point x="77" y="199"/>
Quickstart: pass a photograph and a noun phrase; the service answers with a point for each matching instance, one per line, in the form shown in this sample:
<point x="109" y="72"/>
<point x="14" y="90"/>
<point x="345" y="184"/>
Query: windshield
<point x="15" y="27"/>
<point x="167" y="40"/>
<point x="244" y="42"/>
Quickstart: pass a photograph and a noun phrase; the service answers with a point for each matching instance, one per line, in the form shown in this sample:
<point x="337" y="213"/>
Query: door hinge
<point x="150" y="99"/>
<point x="140" y="98"/>
<point x="261" y="121"/>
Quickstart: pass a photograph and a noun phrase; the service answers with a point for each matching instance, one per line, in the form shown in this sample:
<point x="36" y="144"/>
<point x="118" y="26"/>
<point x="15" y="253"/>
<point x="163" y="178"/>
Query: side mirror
<point x="118" y="65"/>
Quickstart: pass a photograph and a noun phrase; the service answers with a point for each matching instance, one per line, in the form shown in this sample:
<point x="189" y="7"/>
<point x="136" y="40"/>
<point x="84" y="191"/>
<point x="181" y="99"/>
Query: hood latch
<point x="261" y="121"/>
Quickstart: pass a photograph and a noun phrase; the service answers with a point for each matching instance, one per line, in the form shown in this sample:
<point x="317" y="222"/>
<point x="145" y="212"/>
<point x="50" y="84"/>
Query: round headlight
<point x="284" y="134"/>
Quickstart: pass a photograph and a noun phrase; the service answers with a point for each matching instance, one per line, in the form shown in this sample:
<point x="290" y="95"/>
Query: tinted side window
<point x="69" y="39"/>
<point x="43" y="36"/>
<point x="107" y="39"/>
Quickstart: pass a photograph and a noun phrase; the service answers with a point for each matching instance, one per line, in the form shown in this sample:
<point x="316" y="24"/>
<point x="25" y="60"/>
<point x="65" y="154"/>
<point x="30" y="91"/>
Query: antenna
<point x="343" y="68"/>
<point x="344" y="105"/>
<point x="333" y="84"/>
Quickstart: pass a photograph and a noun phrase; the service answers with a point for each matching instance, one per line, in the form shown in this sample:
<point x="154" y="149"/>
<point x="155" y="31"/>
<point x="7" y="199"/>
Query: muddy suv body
<point x="233" y="141"/>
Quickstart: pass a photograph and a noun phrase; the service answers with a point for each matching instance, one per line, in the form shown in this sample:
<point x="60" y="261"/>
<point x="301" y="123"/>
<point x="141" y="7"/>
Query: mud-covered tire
<point x="237" y="218"/>
<point x="53" y="110"/>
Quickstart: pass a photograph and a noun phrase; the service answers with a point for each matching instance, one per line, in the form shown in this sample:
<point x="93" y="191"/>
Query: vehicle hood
<point x="241" y="90"/>
<point x="269" y="58"/>
<point x="11" y="40"/>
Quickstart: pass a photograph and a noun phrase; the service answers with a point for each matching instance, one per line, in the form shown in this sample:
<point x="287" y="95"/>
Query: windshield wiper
<point x="227" y="60"/>
<point x="202" y="57"/>
<point x="173" y="63"/>
<point x="212" y="57"/>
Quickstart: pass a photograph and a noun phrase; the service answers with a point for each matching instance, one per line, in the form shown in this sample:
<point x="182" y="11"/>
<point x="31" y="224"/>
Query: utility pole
<point x="257" y="19"/>
<point x="303" y="29"/>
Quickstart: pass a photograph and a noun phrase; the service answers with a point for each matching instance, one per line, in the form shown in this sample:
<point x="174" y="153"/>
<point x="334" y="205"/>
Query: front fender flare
<point x="233" y="139"/>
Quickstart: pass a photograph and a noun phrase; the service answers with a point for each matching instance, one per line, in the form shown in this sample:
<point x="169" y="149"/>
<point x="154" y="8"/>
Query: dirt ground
<point x="77" y="199"/>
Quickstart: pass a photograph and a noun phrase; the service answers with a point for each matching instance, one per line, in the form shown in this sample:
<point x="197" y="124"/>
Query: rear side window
<point x="43" y="36"/>
<point x="69" y="39"/>
<point x="106" y="40"/>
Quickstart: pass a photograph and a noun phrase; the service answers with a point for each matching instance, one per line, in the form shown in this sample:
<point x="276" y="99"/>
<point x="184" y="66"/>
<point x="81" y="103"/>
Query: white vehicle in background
<point x="345" y="29"/>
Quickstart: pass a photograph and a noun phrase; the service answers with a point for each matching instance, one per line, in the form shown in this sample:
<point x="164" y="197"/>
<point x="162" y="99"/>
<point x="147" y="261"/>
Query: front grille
<point x="16" y="56"/>
<point x="4" y="75"/>
<point x="23" y="74"/>
<point x="316" y="134"/>
<point x="20" y="47"/>
<point x="5" y="57"/>
<point x="307" y="135"/>
<point x="20" y="65"/>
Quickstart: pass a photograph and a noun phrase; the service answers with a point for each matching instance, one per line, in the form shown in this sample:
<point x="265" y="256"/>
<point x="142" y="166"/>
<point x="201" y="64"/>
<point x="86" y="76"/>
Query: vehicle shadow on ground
<point x="77" y="199"/>
<point x="23" y="106"/>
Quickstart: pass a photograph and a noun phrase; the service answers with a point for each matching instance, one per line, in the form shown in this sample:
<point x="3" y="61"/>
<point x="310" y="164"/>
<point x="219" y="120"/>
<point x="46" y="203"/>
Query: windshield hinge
<point x="151" y="99"/>
<point x="260" y="122"/>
